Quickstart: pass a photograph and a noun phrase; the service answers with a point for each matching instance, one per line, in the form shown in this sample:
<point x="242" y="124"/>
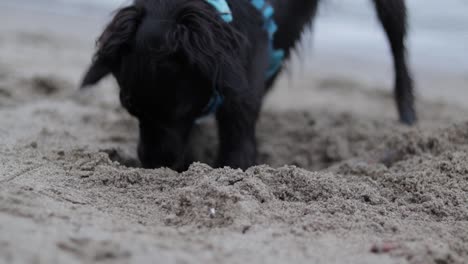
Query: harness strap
<point x="268" y="12"/>
<point x="223" y="8"/>
<point x="276" y="55"/>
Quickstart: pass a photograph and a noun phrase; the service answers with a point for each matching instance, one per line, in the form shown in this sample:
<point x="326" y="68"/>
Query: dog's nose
<point x="161" y="160"/>
<point x="175" y="166"/>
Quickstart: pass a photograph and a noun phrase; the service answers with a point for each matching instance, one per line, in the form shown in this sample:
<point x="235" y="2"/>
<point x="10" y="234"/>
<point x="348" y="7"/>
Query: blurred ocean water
<point x="438" y="33"/>
<point x="438" y="28"/>
<point x="451" y="15"/>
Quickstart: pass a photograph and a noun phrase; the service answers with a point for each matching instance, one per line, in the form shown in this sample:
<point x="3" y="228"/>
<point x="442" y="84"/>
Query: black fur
<point x="168" y="55"/>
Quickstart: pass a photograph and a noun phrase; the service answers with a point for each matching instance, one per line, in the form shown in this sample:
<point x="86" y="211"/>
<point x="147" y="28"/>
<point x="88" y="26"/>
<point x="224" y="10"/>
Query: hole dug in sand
<point x="406" y="199"/>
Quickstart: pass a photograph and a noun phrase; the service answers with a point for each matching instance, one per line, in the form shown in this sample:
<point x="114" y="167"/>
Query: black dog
<point x="176" y="60"/>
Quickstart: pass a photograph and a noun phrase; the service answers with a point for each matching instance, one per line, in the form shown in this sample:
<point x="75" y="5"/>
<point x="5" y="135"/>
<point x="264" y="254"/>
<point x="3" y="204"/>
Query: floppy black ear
<point x="113" y="42"/>
<point x="209" y="43"/>
<point x="95" y="73"/>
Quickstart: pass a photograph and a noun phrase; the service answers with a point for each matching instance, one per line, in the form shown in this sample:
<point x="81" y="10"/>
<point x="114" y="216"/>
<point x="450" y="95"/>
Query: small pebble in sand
<point x="212" y="212"/>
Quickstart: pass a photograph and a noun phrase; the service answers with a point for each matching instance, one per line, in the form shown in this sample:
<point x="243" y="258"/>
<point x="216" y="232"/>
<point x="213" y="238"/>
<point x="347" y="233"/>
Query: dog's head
<point x="167" y="57"/>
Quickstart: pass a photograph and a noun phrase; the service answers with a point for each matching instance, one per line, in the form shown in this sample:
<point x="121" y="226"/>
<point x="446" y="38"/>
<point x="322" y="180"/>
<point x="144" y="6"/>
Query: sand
<point x="343" y="181"/>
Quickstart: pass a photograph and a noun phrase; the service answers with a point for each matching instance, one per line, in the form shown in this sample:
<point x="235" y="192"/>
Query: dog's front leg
<point x="237" y="118"/>
<point x="236" y="128"/>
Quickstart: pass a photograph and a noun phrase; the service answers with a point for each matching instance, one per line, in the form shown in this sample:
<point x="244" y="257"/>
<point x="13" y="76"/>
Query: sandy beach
<point x="342" y="180"/>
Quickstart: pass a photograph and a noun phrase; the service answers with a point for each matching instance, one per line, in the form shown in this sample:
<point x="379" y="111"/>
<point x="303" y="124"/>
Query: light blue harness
<point x="276" y="56"/>
<point x="223" y="8"/>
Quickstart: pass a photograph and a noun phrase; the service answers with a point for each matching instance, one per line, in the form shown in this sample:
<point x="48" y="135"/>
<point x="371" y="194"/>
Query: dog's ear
<point x="95" y="73"/>
<point x="113" y="43"/>
<point x="209" y="43"/>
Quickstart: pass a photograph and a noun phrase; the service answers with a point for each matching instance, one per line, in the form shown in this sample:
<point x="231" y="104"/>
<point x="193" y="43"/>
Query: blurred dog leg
<point x="393" y="16"/>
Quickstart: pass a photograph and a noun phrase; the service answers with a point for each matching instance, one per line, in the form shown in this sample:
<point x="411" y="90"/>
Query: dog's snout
<point x="151" y="159"/>
<point x="161" y="148"/>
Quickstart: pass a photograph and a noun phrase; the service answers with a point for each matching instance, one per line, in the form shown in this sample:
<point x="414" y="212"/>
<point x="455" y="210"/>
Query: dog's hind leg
<point x="392" y="15"/>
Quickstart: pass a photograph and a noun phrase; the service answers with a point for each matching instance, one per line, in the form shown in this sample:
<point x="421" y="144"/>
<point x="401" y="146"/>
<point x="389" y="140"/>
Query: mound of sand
<point x="339" y="186"/>
<point x="360" y="190"/>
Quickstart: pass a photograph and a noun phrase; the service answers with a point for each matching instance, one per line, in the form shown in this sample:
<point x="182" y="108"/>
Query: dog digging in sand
<point x="177" y="61"/>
